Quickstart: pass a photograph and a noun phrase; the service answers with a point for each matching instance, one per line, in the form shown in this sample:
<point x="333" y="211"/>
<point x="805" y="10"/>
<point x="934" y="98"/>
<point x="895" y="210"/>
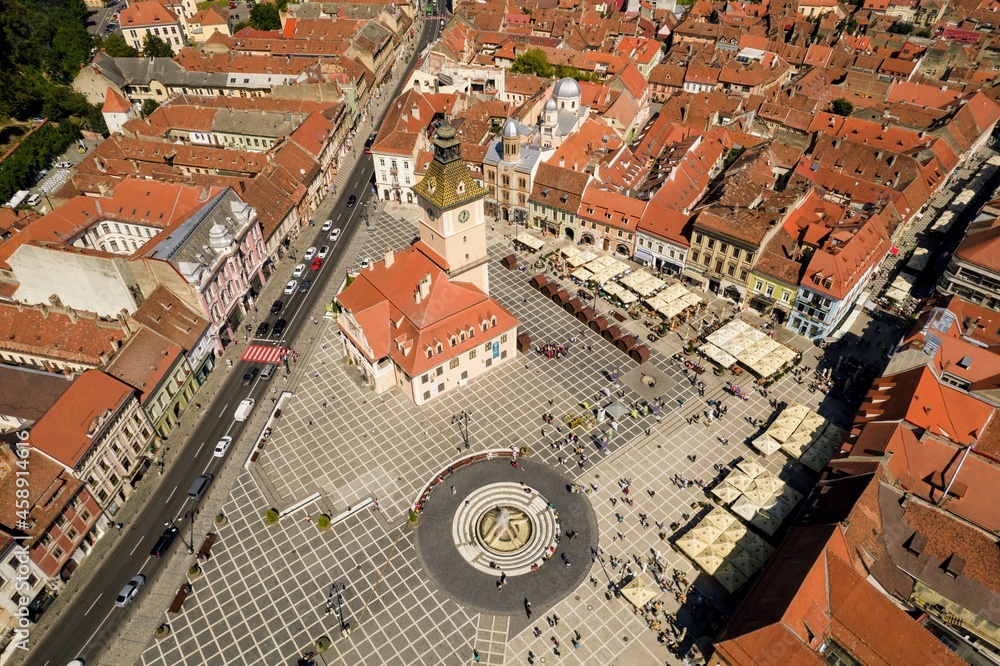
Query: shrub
<point x="323" y="522"/>
<point x="271" y="517"/>
<point x="323" y="644"/>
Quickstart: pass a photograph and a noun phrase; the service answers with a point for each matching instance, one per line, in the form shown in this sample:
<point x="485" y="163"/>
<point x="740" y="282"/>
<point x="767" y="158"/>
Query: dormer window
<point x="429" y="352"/>
<point x="461" y="336"/>
<point x="453" y="341"/>
<point x="493" y="321"/>
<point x="439" y="348"/>
<point x="460" y="188"/>
<point x="472" y="332"/>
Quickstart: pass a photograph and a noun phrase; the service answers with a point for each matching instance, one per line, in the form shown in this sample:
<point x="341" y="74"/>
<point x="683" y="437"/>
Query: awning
<point x="642" y="255"/>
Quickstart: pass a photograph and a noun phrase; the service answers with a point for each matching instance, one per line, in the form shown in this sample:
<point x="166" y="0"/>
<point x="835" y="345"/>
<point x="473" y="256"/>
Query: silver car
<point x="128" y="592"/>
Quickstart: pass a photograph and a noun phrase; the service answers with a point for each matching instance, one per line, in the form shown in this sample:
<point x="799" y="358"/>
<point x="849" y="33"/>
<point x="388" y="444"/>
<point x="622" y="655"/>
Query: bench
<point x="179" y="598"/>
<point x="207" y="546"/>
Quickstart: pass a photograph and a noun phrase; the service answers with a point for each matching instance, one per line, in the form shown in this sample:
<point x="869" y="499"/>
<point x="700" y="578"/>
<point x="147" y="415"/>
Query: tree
<point x="116" y="47"/>
<point x="154" y="47"/>
<point x="148" y="106"/>
<point x="265" y="17"/>
<point x="842" y="107"/>
<point x="239" y="26"/>
<point x="532" y="61"/>
<point x="900" y="28"/>
<point x="282" y="5"/>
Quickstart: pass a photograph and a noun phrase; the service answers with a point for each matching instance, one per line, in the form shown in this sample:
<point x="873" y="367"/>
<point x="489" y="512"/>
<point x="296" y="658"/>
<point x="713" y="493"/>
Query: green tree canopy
<point x="154" y="47"/>
<point x="265" y="16"/>
<point x="148" y="106"/>
<point x="842" y="107"/>
<point x="534" y="61"/>
<point x="116" y="47"/>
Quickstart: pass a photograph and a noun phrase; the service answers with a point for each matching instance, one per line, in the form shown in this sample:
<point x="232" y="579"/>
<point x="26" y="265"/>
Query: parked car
<point x="310" y="253"/>
<point x="327" y="225"/>
<point x="262" y="329"/>
<point x="268" y="370"/>
<point x="276" y="307"/>
<point x="304" y="287"/>
<point x="366" y="262"/>
<point x="323" y="251"/>
<point x="334" y="235"/>
<point x="128" y="592"/>
<point x="279" y="328"/>
<point x="299" y="270"/>
<point x="223" y="446"/>
<point x="351" y="200"/>
<point x="250" y="375"/>
<point x="369" y="142"/>
<point x="162" y="544"/>
<point x="290" y="287"/>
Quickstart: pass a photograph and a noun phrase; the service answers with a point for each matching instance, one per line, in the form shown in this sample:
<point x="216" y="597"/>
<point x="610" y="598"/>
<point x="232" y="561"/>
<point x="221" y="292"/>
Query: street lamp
<point x="462" y="419"/>
<point x="247" y="330"/>
<point x="170" y="523"/>
<point x="345" y="628"/>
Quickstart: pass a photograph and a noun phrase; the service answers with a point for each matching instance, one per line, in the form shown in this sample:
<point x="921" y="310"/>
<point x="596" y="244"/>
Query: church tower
<point x="453" y="221"/>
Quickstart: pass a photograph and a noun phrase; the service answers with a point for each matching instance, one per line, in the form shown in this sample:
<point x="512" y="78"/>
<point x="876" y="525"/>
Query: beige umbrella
<point x="769" y="484"/>
<point x="722" y="548"/>
<point x="638" y="593"/>
<point x="751" y="468"/>
<point x="709" y="561"/>
<point x="796" y="410"/>
<point x="707" y="532"/>
<point x="766" y="522"/>
<point x="765" y="444"/>
<point x="739" y="325"/>
<point x="814" y="459"/>
<point x="739" y="480"/>
<point x="730" y="578"/>
<point x="744" y="508"/>
<point x="725" y="493"/>
<point x="757" y="496"/>
<point x="744" y="562"/>
<point x="735" y="533"/>
<point x="781" y="430"/>
<point x="719" y="518"/>
<point x="796" y="445"/>
<point x="780" y="510"/>
<point x="691" y="545"/>
<point x="759" y="549"/>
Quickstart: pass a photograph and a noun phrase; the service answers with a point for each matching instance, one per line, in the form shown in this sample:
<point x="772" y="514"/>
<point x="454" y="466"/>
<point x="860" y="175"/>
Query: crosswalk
<point x="264" y="354"/>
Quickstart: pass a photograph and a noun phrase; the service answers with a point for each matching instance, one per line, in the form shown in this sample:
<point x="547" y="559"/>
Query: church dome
<point x="566" y="89"/>
<point x="551" y="105"/>
<point x="510" y="130"/>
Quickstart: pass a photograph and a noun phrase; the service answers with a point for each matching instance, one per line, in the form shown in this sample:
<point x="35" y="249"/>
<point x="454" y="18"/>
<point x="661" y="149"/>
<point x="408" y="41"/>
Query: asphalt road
<point x="95" y="619"/>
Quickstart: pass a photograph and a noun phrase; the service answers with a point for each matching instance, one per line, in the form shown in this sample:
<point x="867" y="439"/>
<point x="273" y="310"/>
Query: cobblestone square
<point x="263" y="596"/>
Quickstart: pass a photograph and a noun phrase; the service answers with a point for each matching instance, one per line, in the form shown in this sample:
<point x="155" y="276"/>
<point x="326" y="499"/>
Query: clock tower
<point x="452" y="221"/>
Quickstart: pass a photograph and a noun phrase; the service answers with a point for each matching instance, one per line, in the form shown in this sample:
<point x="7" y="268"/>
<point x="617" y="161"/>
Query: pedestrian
<point x="475" y="655"/>
<point x="454" y="491"/>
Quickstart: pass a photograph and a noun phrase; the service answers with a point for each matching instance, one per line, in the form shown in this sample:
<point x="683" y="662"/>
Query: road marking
<point x="200" y="447"/>
<point x="87" y="642"/>
<point x="136" y="546"/>
<point x="171" y="494"/>
<point x="223" y="410"/>
<point x="91" y="607"/>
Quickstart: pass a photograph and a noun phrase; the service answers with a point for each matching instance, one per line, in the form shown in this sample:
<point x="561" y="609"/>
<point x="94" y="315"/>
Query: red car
<point x="317" y="263"/>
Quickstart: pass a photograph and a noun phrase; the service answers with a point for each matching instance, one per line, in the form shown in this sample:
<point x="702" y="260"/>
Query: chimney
<point x="415" y="111"/>
<point x="416" y="295"/>
<point x="44" y="309"/>
<point x="390" y="256"/>
<point x="562" y="161"/>
<point x="425" y="286"/>
<point x="71" y="313"/>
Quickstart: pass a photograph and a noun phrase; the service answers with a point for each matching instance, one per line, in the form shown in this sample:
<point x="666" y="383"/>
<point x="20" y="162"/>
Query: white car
<point x="327" y="225"/>
<point x="223" y="446"/>
<point x="128" y="592"/>
<point x="310" y="253"/>
<point x="299" y="270"/>
<point x="334" y="235"/>
<point x="290" y="287"/>
<point x="366" y="262"/>
<point x="323" y="251"/>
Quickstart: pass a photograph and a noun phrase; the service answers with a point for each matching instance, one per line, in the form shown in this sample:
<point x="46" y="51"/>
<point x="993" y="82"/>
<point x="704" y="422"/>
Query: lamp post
<point x="345" y="628"/>
<point x="170" y="523"/>
<point x="246" y="331"/>
<point x="462" y="419"/>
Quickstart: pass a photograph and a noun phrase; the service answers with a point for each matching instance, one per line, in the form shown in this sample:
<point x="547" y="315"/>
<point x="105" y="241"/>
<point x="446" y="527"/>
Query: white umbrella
<point x="725" y="493"/>
<point x="744" y="508"/>
<point x="765" y="444"/>
<point x="766" y="522"/>
<point x="751" y="468"/>
<point x="730" y="578"/>
<point x="739" y="480"/>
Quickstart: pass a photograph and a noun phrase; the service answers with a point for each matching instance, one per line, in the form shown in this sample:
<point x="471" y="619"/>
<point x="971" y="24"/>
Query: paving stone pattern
<point x="262" y="597"/>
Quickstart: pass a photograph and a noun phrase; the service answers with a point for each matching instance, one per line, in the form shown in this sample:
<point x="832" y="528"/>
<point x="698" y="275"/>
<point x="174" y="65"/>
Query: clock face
<point x="430" y="214"/>
<point x="463" y="216"/>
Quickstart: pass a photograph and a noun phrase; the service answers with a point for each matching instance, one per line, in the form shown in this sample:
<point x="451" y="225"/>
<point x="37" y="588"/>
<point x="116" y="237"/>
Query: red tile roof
<point x="981" y="245"/>
<point x="611" y="209"/>
<point x="114" y="102"/>
<point x="64" y="432"/>
<point x="146" y="13"/>
<point x="78" y="338"/>
<point x="144" y="361"/>
<point x="382" y="300"/>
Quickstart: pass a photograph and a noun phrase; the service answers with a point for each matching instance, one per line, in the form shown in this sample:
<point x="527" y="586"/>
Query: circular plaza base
<point x="506" y="520"/>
